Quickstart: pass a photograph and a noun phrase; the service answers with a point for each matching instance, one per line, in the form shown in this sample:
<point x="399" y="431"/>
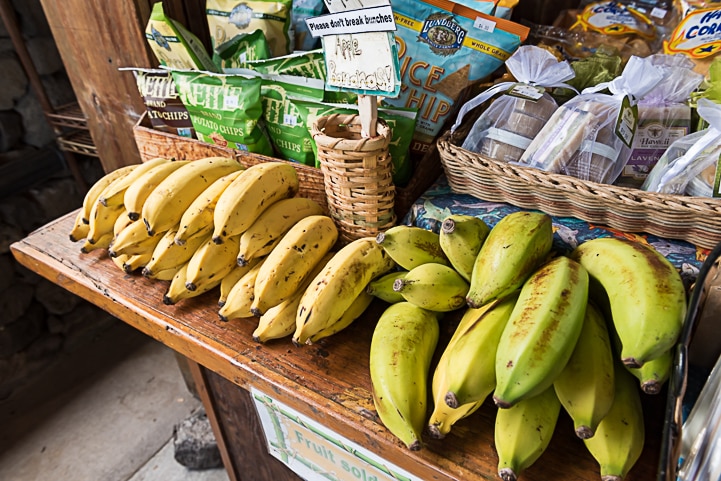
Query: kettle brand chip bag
<point x="309" y="64"/>
<point x="224" y="109"/>
<point x="445" y="48"/>
<point x="242" y="48"/>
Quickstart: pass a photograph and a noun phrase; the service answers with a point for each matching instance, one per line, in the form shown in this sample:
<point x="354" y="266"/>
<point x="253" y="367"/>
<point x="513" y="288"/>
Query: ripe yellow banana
<point x="646" y="295"/>
<point x="165" y="205"/>
<point x="198" y="217"/>
<point x="585" y="387"/>
<point x="433" y="286"/>
<point x="231" y="279"/>
<point x="333" y="290"/>
<point x="80" y="228"/>
<point x="211" y="262"/>
<point x="382" y="287"/>
<point x="102" y="221"/>
<point x="620" y="436"/>
<point x="93" y="193"/>
<point x="102" y="243"/>
<point x="115" y="193"/>
<point x="177" y="290"/>
<point x="119" y="261"/>
<point x="240" y="297"/>
<point x="121" y="223"/>
<point x="654" y="373"/>
<point x="264" y="234"/>
<point x="292" y="260"/>
<point x="411" y="246"/>
<point x="137" y="192"/>
<point x="522" y="433"/>
<point x="542" y="332"/>
<point x="168" y="256"/>
<point x="354" y="311"/>
<point x="461" y="238"/>
<point x="514" y="248"/>
<point x="134" y="239"/>
<point x="136" y="261"/>
<point x="471" y="359"/>
<point x="249" y="195"/>
<point x="402" y="346"/>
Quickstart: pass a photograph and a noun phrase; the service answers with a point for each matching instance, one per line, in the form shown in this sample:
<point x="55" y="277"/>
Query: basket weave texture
<point x="693" y="219"/>
<point x="358" y="175"/>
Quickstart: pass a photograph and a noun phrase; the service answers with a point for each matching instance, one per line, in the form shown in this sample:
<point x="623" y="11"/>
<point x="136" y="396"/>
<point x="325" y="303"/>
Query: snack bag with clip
<point x="505" y="129"/>
<point x="244" y="47"/>
<point x="590" y="136"/>
<point x="695" y="155"/>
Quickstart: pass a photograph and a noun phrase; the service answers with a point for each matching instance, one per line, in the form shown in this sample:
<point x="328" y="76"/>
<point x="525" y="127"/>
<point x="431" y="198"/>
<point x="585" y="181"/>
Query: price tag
<point x="525" y="91"/>
<point x="484" y="24"/>
<point x="627" y="121"/>
<point x="230" y="102"/>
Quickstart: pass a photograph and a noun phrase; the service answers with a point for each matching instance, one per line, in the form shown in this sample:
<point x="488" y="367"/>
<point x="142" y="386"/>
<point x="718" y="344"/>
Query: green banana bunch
<point x="93" y="193"/>
<point x="514" y="248"/>
<point x="461" y="238"/>
<point x="654" y="373"/>
<point x="471" y="359"/>
<point x="198" y="217"/>
<point x="292" y="260"/>
<point x="240" y="297"/>
<point x="646" y="295"/>
<point x="210" y="263"/>
<point x="166" y="204"/>
<point x="231" y="279"/>
<point x="264" y="234"/>
<point x="402" y="346"/>
<point x="114" y="194"/>
<point x="620" y="436"/>
<point x="249" y="195"/>
<point x="411" y="246"/>
<point x="433" y="286"/>
<point x="354" y="311"/>
<point x="382" y="287"/>
<point x="80" y="228"/>
<point x="340" y="282"/>
<point x="585" y="387"/>
<point x="168" y="256"/>
<point x="134" y="239"/>
<point x="542" y="332"/>
<point x="522" y="433"/>
<point x="137" y="192"/>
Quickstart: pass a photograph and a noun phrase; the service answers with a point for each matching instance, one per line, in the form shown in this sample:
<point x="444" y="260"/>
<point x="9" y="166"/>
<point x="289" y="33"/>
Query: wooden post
<point x="368" y="111"/>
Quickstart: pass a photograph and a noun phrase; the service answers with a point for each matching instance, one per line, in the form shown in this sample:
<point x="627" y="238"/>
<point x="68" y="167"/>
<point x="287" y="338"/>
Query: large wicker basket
<point x="693" y="219"/>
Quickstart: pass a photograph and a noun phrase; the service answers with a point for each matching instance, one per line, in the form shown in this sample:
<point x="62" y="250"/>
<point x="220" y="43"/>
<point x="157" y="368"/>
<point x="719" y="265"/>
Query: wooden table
<point x="328" y="382"/>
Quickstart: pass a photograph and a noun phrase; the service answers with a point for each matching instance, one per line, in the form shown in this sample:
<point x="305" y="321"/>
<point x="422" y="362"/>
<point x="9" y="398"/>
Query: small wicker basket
<point x="357" y="174"/>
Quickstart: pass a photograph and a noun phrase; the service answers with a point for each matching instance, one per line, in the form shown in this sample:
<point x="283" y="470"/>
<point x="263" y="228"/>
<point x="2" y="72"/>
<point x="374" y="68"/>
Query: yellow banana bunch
<point x="250" y="194"/>
<point x="231" y="279"/>
<point x="102" y="243"/>
<point x="198" y="217"/>
<point x="210" y="263"/>
<point x="433" y="286"/>
<point x="102" y="221"/>
<point x="177" y="290"/>
<point x="120" y="261"/>
<point x="137" y="192"/>
<point x="292" y="261"/>
<point x="136" y="261"/>
<point x="654" y="373"/>
<point x="585" y="387"/>
<point x="382" y="287"/>
<point x="168" y="256"/>
<point x="166" y="204"/>
<point x="240" y="297"/>
<point x="620" y="436"/>
<point x="514" y="248"/>
<point x="522" y="433"/>
<point x="121" y="223"/>
<point x="80" y="228"/>
<point x="93" y="193"/>
<point x="114" y="194"/>
<point x="333" y="290"/>
<point x="471" y="359"/>
<point x="354" y="311"/>
<point x="461" y="237"/>
<point x="542" y="332"/>
<point x="402" y="346"/>
<point x="411" y="246"/>
<point x="645" y="292"/>
<point x="134" y="239"/>
<point x="264" y="234"/>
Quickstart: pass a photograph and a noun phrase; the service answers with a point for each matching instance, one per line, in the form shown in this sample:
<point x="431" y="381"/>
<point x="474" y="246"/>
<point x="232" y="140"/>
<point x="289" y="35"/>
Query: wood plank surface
<point x="328" y="382"/>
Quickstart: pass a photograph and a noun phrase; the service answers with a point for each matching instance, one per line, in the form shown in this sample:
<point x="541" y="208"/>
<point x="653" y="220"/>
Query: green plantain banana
<point x="102" y="221"/>
<point x="333" y="290"/>
<point x="137" y="192"/>
<point x="523" y="432"/>
<point x="382" y="287"/>
<point x="292" y="260"/>
<point x="585" y="387"/>
<point x="620" y="436"/>
<point x="433" y="286"/>
<point x="165" y="205"/>
<point x="115" y="193"/>
<point x="240" y="297"/>
<point x="402" y="346"/>
<point x="93" y="193"/>
<point x="461" y="238"/>
<point x="264" y="234"/>
<point x="514" y="248"/>
<point x="80" y="228"/>
<point x="646" y="295"/>
<point x="654" y="373"/>
<point x="411" y="246"/>
<point x="470" y="360"/>
<point x="198" y="217"/>
<point x="354" y="311"/>
<point x="542" y="332"/>
<point x="249" y="195"/>
<point x="211" y="262"/>
<point x="134" y="239"/>
<point x="168" y="256"/>
<point x="231" y="279"/>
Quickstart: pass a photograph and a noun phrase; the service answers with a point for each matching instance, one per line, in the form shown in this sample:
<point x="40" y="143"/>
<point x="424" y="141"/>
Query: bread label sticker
<point x="627" y="121"/>
<point x="615" y="18"/>
<point x="526" y="91"/>
<point x="698" y="35"/>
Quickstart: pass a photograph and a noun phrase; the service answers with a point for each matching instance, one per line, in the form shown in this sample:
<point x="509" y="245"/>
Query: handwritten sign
<point x="374" y="19"/>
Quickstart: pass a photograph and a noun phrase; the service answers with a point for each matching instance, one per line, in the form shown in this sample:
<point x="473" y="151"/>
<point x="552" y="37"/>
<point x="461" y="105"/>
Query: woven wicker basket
<point x="693" y="219"/>
<point x="358" y="175"/>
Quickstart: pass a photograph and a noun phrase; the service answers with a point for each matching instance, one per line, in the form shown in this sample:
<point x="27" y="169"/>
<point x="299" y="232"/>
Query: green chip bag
<point x="225" y="109"/>
<point x="241" y="49"/>
<point x="300" y="64"/>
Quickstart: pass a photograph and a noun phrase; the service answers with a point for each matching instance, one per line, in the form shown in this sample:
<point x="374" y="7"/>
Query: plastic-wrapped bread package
<point x="505" y="129"/>
<point x="590" y="136"/>
<point x="664" y="115"/>
<point x="692" y="159"/>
